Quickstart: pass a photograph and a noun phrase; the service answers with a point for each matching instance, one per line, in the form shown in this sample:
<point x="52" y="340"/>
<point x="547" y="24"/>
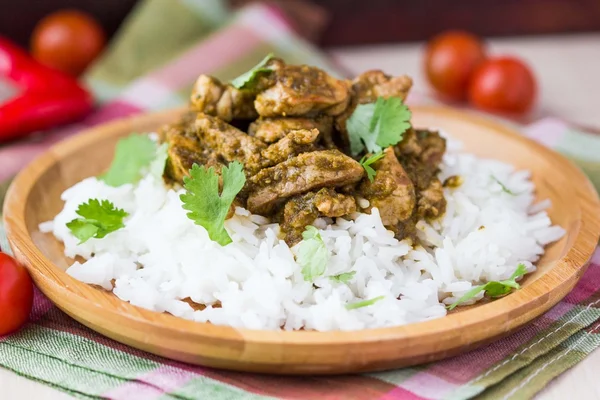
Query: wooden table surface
<point x="568" y="72"/>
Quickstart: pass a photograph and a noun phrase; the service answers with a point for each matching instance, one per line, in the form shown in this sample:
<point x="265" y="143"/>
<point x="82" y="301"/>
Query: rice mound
<point x="161" y="257"/>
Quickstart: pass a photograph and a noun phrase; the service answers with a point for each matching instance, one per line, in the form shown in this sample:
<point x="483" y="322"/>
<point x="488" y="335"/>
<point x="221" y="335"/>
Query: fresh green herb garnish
<point x="503" y="186"/>
<point x="206" y="207"/>
<point x="366" y="163"/>
<point x="343" y="278"/>
<point x="133" y="155"/>
<point x="312" y="254"/>
<point x="157" y="166"/>
<point x="98" y="219"/>
<point x="248" y="79"/>
<point x="364" y="303"/>
<point x="377" y="125"/>
<point x="493" y="288"/>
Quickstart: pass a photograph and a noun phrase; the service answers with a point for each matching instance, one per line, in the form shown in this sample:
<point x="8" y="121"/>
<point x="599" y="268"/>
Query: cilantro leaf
<point x="377" y="125"/>
<point x="467" y="296"/>
<point x="364" y="303"/>
<point x="503" y="186"/>
<point x="98" y="220"/>
<point x="157" y="166"/>
<point x="493" y="288"/>
<point x="392" y="122"/>
<point x="377" y="112"/>
<point x="82" y="229"/>
<point x="312" y="254"/>
<point x="520" y="271"/>
<point x="366" y="163"/>
<point x="248" y="79"/>
<point x="359" y="129"/>
<point x="343" y="278"/>
<point x="206" y="207"/>
<point x="132" y="155"/>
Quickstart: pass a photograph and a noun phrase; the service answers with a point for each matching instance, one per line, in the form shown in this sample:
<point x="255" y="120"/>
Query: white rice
<point x="255" y="283"/>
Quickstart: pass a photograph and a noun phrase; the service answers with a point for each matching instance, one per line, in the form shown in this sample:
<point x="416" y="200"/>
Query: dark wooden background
<point x="369" y="21"/>
<point x="18" y="17"/>
<point x="363" y="21"/>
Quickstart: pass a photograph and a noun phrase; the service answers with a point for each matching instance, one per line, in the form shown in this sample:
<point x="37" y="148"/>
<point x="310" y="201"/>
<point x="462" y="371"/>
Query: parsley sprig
<point x="378" y="125"/>
<point x="312" y="254"/>
<point x="493" y="288"/>
<point x="98" y="219"/>
<point x="206" y="206"/>
<point x="248" y="79"/>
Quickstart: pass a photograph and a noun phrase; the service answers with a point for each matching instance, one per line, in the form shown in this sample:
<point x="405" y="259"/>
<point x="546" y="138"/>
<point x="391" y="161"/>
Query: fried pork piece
<point x="292" y="144"/>
<point x="212" y="97"/>
<point x="392" y="191"/>
<point x="302" y="210"/>
<point x="228" y="142"/>
<point x="301" y="90"/>
<point x="366" y="88"/>
<point x="270" y="130"/>
<point x="306" y="172"/>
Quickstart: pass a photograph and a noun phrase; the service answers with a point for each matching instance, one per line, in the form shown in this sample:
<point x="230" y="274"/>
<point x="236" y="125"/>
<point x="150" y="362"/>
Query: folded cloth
<point x="152" y="34"/>
<point x="57" y="351"/>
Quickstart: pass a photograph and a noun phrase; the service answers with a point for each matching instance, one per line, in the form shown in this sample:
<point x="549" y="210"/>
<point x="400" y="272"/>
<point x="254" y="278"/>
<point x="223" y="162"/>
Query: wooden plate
<point x="34" y="197"/>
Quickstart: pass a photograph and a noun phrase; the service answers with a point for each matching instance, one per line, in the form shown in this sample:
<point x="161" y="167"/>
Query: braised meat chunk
<point x="184" y="126"/>
<point x="292" y="144"/>
<point x="392" y="190"/>
<point x="423" y="147"/>
<point x="421" y="152"/>
<point x="302" y="210"/>
<point x="229" y="142"/>
<point x="183" y="152"/>
<point x="184" y="149"/>
<point x="432" y="203"/>
<point x="306" y="172"/>
<point x="287" y="126"/>
<point x="329" y="203"/>
<point x="370" y="85"/>
<point x="270" y="130"/>
<point x="212" y="97"/>
<point x="300" y="90"/>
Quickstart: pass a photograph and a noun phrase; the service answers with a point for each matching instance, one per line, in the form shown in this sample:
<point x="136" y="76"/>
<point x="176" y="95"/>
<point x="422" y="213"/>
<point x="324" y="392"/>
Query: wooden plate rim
<point x="571" y="266"/>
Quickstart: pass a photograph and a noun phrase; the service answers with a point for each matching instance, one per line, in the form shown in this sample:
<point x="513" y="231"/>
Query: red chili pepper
<point x="46" y="98"/>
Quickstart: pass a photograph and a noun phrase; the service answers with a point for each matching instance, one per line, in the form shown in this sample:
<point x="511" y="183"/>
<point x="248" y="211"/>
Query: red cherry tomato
<point x="503" y="84"/>
<point x="450" y="60"/>
<point x="16" y="294"/>
<point x="68" y="41"/>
